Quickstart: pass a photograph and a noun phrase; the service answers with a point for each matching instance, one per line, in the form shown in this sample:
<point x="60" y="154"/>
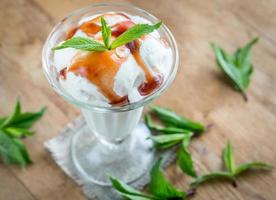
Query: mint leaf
<point x="252" y="166"/>
<point x="160" y="187"/>
<point x="27" y="119"/>
<point x="184" y="159"/>
<point x="166" y="141"/>
<point x="13" y="151"/>
<point x="87" y="44"/>
<point x="171" y="119"/>
<point x="127" y="191"/>
<point x="166" y="130"/>
<point x="2" y="119"/>
<point x="106" y="33"/>
<point x="212" y="176"/>
<point x="134" y="33"/>
<point x="8" y="120"/>
<point x="229" y="159"/>
<point x="21" y="120"/>
<point x="238" y="66"/>
<point x="17" y="132"/>
<point x="12" y="128"/>
<point x="82" y="44"/>
<point x="233" y="171"/>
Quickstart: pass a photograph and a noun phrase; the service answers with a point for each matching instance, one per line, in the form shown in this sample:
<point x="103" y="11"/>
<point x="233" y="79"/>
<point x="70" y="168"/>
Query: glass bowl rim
<point x="130" y="106"/>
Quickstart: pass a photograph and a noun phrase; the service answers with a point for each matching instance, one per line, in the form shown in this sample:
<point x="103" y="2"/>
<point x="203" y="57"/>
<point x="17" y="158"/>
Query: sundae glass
<point x="111" y="88"/>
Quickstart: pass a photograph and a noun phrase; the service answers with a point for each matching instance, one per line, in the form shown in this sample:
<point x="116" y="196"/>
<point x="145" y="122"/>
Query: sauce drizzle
<point x="152" y="81"/>
<point x="100" y="68"/>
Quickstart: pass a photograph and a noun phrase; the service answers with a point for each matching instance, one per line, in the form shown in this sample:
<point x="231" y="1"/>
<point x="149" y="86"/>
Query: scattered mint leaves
<point x="134" y="33"/>
<point x="12" y="129"/>
<point x="228" y="157"/>
<point x="171" y="119"/>
<point x="87" y="44"/>
<point x="18" y="123"/>
<point x="252" y="166"/>
<point x="232" y="171"/>
<point x="127" y="191"/>
<point x="160" y="187"/>
<point x="173" y="135"/>
<point x="168" y="140"/>
<point x="212" y="176"/>
<point x="236" y="66"/>
<point x="184" y="159"/>
<point x="166" y="130"/>
<point x="13" y="151"/>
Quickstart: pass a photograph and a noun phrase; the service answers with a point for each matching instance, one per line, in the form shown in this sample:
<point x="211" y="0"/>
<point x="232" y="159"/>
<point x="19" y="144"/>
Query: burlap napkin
<point x="59" y="147"/>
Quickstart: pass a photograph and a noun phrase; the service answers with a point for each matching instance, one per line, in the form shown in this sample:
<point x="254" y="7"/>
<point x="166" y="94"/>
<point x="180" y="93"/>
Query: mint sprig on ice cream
<point x="129" y="35"/>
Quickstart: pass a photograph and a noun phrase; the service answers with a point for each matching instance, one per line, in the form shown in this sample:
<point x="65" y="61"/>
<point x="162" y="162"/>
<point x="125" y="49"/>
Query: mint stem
<point x="191" y="192"/>
<point x="234" y="183"/>
<point x="244" y="96"/>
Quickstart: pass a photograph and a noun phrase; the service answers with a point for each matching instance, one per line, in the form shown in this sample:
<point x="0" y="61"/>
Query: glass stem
<point x="112" y="128"/>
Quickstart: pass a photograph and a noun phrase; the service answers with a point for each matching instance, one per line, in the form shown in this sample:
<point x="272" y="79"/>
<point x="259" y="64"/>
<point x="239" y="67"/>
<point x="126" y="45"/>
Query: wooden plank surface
<point x="204" y="96"/>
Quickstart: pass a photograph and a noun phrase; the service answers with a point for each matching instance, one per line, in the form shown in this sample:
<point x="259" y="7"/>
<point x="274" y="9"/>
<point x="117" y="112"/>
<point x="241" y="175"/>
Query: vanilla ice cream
<point x="123" y="75"/>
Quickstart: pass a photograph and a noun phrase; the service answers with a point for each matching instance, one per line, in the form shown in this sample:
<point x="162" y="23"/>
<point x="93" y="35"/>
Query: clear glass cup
<point x="113" y="142"/>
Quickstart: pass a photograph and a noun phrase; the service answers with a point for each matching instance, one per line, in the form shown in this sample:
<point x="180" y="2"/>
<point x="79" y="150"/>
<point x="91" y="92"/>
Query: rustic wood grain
<point x="10" y="186"/>
<point x="200" y="91"/>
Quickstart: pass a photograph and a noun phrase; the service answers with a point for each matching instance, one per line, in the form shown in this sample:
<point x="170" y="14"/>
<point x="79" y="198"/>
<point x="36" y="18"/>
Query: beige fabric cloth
<point x="59" y="147"/>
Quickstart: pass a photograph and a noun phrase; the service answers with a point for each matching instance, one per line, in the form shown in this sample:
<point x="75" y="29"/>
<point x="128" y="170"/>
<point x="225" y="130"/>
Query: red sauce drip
<point x="152" y="81"/>
<point x="123" y="101"/>
<point x="100" y="68"/>
<point x="124" y="15"/>
<point x="63" y="73"/>
<point x="121" y="27"/>
<point x="147" y="87"/>
<point x="90" y="28"/>
<point x="71" y="33"/>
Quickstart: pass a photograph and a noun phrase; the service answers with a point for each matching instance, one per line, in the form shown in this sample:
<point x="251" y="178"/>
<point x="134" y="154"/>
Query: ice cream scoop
<point x="118" y="76"/>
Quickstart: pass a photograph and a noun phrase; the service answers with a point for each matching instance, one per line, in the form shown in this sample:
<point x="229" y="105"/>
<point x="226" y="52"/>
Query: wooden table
<point x="199" y="91"/>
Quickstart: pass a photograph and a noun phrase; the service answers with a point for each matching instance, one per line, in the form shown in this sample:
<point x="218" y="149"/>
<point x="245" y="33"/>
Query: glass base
<point x="96" y="159"/>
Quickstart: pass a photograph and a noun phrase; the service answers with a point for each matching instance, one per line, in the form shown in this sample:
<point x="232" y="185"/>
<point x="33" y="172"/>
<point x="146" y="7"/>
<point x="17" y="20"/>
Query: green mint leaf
<point x="127" y="191"/>
<point x="16" y="111"/>
<point x="243" y="58"/>
<point x="252" y="166"/>
<point x="133" y="197"/>
<point x="160" y="187"/>
<point x="212" y="176"/>
<point x="2" y="119"/>
<point x="17" y="132"/>
<point x="82" y="43"/>
<point x="166" y="130"/>
<point x="232" y="172"/>
<point x="12" y="128"/>
<point x="170" y="118"/>
<point x="166" y="141"/>
<point x="106" y="33"/>
<point x="229" y="159"/>
<point x="21" y="120"/>
<point x="13" y="151"/>
<point x="166" y="145"/>
<point x="184" y="159"/>
<point x="134" y="33"/>
<point x="238" y="66"/>
<point x="27" y="119"/>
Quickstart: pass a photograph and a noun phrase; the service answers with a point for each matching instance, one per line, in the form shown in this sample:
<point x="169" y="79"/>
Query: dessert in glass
<point x="111" y="88"/>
